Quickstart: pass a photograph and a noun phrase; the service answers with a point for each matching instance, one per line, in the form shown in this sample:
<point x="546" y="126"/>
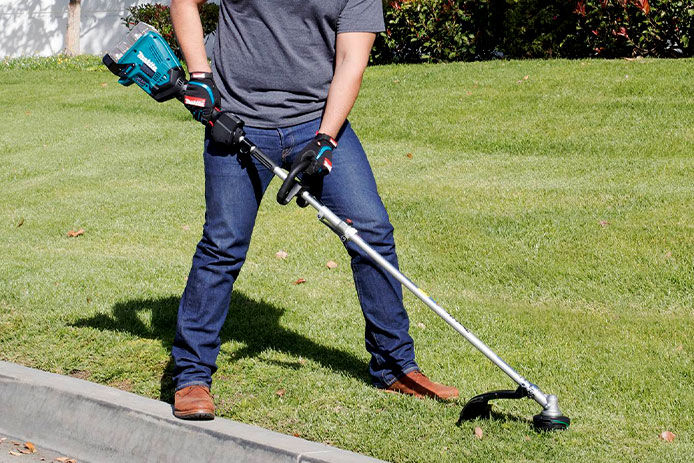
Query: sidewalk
<point x="91" y="422"/>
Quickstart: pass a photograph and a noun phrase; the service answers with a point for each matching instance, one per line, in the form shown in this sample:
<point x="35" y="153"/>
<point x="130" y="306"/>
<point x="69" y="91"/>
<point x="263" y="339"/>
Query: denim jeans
<point x="234" y="187"/>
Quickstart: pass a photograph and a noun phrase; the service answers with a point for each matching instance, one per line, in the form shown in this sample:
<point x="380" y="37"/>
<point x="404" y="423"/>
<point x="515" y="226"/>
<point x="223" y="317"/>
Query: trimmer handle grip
<point x="175" y="88"/>
<point x="291" y="185"/>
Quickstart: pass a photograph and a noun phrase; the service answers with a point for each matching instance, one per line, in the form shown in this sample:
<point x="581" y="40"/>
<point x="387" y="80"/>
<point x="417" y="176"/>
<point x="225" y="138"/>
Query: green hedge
<point x="450" y="30"/>
<point x="632" y="28"/>
<point x="459" y="30"/>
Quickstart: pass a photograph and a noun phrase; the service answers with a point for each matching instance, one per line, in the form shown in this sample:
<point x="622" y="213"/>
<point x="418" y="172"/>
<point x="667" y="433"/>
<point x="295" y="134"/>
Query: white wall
<point x="37" y="27"/>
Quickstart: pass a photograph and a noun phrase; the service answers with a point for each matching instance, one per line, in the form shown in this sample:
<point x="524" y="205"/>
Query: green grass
<point x="553" y="216"/>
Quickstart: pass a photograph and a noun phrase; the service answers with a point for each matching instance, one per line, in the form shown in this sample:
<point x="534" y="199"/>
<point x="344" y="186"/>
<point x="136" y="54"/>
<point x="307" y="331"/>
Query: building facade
<point x="38" y="27"/>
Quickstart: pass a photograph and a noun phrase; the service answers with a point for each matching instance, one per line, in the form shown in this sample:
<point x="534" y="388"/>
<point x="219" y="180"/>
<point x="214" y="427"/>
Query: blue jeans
<point x="234" y="187"/>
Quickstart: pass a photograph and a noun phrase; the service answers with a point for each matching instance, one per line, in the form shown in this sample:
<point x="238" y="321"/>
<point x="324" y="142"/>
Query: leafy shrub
<point x="426" y="30"/>
<point x="159" y="17"/>
<point x="450" y="30"/>
<point x="535" y="29"/>
<point x="613" y="28"/>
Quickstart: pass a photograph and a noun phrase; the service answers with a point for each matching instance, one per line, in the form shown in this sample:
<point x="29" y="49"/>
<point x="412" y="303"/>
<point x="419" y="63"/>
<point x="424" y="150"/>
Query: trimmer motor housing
<point x="144" y="58"/>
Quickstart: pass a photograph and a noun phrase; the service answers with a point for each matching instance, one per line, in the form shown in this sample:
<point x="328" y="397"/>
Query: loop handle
<point x="292" y="185"/>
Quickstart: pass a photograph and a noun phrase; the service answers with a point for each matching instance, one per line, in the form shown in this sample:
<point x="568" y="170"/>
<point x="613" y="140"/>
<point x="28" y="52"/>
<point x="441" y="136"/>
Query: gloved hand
<point x="202" y="97"/>
<point x="320" y="152"/>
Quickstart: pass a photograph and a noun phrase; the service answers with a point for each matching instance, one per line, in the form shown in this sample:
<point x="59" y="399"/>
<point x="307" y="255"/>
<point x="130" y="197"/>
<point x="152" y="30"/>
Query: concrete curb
<point x="102" y="424"/>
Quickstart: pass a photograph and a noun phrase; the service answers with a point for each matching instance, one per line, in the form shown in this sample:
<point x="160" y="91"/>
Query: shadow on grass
<point x="494" y="415"/>
<point x="252" y="323"/>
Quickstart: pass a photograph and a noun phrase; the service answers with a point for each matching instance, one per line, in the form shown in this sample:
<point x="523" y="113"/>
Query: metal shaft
<point x="349" y="233"/>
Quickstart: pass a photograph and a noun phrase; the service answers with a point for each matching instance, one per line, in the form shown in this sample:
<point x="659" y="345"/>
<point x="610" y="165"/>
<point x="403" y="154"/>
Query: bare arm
<point x="188" y="27"/>
<point x="351" y="57"/>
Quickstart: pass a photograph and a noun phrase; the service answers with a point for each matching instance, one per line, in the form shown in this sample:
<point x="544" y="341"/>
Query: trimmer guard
<point x="478" y="406"/>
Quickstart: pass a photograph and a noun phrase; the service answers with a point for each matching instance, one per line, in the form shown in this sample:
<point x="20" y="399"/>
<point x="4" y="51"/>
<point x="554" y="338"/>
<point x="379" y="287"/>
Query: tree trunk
<point x="72" y="38"/>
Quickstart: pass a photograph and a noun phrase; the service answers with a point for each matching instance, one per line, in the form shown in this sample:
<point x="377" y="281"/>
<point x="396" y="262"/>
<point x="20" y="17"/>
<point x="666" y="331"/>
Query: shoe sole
<point x="423" y="396"/>
<point x="198" y="415"/>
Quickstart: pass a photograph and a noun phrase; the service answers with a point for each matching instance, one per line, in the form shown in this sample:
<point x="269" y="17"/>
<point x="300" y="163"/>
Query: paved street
<point x="9" y="444"/>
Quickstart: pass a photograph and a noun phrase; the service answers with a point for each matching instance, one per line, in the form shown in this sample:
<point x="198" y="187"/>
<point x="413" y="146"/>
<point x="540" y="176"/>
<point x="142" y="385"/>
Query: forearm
<point x="188" y="28"/>
<point x="341" y="97"/>
<point x="350" y="62"/>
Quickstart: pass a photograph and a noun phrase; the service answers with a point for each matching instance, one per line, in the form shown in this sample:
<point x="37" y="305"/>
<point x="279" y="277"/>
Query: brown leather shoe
<point x="416" y="384"/>
<point x="194" y="403"/>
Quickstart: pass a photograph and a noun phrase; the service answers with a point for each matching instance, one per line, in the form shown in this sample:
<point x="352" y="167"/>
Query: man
<point x="291" y="69"/>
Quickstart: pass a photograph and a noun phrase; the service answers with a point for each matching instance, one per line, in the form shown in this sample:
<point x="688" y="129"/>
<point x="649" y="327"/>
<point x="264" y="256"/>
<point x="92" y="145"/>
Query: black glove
<point x="320" y="152"/>
<point x="202" y="97"/>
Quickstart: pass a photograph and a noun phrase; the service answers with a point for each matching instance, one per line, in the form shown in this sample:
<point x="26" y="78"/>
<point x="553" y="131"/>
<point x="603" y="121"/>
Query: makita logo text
<point x="147" y="61"/>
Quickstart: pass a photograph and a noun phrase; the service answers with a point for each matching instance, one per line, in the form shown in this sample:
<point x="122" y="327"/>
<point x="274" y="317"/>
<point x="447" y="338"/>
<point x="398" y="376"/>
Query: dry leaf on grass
<point x="409" y="155"/>
<point x="331" y="264"/>
<point x="667" y="436"/>
<point x="297" y="434"/>
<point x="299" y="281"/>
<point x="281" y="254"/>
<point x="478" y="432"/>
<point x="21" y="222"/>
<point x="280" y="392"/>
<point x="73" y="233"/>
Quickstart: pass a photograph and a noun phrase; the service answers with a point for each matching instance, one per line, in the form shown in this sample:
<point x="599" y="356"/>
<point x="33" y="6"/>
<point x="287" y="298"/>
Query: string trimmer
<point x="144" y="58"/>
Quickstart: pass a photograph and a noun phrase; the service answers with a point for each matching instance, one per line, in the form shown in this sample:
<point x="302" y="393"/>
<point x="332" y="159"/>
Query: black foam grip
<point x="289" y="182"/>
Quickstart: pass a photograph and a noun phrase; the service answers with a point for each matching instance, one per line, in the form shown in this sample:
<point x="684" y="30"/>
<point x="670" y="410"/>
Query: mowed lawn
<point x="548" y="205"/>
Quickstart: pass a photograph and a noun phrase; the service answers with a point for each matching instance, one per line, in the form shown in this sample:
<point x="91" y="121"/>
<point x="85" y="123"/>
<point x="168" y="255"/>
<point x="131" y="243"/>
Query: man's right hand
<point x="202" y="97"/>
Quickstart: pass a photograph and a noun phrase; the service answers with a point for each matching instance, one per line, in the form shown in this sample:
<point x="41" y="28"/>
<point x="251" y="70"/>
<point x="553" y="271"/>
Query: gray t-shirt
<point x="273" y="60"/>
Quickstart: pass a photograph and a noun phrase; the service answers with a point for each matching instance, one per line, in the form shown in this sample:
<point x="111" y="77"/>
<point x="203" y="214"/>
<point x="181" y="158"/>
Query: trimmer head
<point x="549" y="419"/>
<point x="544" y="422"/>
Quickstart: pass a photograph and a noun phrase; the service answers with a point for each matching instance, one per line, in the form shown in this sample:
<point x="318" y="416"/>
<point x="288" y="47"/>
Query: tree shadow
<point x="255" y="324"/>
